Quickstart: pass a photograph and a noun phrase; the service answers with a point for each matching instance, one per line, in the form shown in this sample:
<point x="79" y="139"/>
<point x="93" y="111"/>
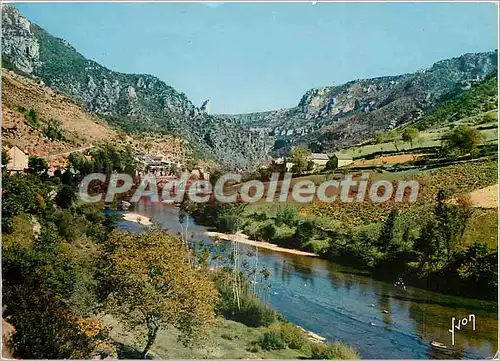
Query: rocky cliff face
<point x="345" y="114"/>
<point x="136" y="102"/>
<point x="325" y="118"/>
<point x="19" y="45"/>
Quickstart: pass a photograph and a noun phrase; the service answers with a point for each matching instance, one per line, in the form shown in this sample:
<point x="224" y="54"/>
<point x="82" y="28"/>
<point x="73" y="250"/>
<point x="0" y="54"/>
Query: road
<point x="54" y="155"/>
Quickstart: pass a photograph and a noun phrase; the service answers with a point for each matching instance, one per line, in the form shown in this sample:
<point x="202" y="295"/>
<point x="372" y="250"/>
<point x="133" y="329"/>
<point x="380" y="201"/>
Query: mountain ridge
<point x="324" y="118"/>
<point x="135" y="102"/>
<point x="342" y="115"/>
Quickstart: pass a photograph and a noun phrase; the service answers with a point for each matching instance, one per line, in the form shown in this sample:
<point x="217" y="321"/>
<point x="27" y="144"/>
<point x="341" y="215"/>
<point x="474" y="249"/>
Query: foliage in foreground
<point x="149" y="284"/>
<point x="332" y="351"/>
<point x="46" y="278"/>
<point x="283" y="335"/>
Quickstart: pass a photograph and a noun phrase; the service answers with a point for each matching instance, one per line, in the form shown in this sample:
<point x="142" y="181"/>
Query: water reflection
<point x="379" y="319"/>
<point x="384" y="306"/>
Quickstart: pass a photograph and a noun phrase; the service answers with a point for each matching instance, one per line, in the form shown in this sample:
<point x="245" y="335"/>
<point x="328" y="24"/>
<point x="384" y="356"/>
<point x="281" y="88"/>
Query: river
<point x="379" y="319"/>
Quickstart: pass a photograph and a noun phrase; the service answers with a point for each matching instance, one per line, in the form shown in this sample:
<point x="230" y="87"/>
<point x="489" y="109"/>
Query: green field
<point x="428" y="138"/>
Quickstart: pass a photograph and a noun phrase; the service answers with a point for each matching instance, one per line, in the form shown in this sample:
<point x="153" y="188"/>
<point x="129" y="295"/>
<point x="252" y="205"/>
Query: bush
<point x="266" y="233"/>
<point x="63" y="219"/>
<point x="489" y="117"/>
<point x="228" y="223"/>
<point x="253" y="348"/>
<point x="31" y="117"/>
<point x="318" y="246"/>
<point x="283" y="335"/>
<point x="287" y="215"/>
<point x="53" y="130"/>
<point x="272" y="340"/>
<point x="66" y="196"/>
<point x="332" y="351"/>
<point x="252" y="312"/>
<point x="293" y="337"/>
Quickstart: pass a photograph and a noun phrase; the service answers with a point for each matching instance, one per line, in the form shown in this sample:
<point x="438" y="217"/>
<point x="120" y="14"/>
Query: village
<point x="166" y="165"/>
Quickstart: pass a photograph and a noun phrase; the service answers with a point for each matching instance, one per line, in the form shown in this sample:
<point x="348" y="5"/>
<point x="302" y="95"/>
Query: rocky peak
<point x="19" y="44"/>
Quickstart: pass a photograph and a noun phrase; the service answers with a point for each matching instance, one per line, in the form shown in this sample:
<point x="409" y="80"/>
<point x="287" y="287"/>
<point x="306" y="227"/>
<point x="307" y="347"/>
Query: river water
<point x="379" y="319"/>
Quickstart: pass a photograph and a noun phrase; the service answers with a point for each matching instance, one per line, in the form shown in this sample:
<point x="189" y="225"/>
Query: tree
<point x="441" y="237"/>
<point x="300" y="159"/>
<point x="409" y="135"/>
<point x="21" y="193"/>
<point x="228" y="217"/>
<point x="462" y="139"/>
<point x="66" y="196"/>
<point x="380" y="137"/>
<point x="288" y="215"/>
<point x="148" y="145"/>
<point x="38" y="279"/>
<point x="174" y="170"/>
<point x="215" y="175"/>
<point x="149" y="282"/>
<point x="5" y="159"/>
<point x="79" y="163"/>
<point x="108" y="158"/>
<point x="38" y="165"/>
<point x="267" y="232"/>
<point x="429" y="243"/>
<point x="54" y="130"/>
<point x="451" y="220"/>
<point x="305" y="232"/>
<point x="386" y="236"/>
<point x="479" y="265"/>
<point x="394" y="136"/>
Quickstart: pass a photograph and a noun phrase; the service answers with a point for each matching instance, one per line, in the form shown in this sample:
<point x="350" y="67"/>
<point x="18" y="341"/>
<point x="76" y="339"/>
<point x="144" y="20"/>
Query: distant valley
<point x="325" y="119"/>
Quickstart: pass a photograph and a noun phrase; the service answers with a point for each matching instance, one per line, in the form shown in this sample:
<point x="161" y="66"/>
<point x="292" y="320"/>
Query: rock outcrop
<point x="324" y="118"/>
<point x="135" y="102"/>
<point x="346" y="114"/>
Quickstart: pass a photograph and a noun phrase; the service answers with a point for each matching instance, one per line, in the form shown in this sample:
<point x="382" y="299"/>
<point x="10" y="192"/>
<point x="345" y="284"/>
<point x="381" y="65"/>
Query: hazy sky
<point x="254" y="57"/>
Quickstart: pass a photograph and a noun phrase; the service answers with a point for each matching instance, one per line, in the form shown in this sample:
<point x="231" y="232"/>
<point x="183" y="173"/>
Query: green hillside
<point x="480" y="98"/>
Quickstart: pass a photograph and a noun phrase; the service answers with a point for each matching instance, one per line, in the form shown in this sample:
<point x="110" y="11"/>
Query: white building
<point x="341" y="160"/>
<point x="17" y="159"/>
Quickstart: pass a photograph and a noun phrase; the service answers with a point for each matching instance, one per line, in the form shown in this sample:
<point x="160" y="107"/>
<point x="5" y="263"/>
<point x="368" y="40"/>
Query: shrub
<point x="53" y="130"/>
<point x="287" y="215"/>
<point x="228" y="223"/>
<point x="293" y="336"/>
<point x="272" y="340"/>
<point x="252" y="312"/>
<point x="66" y="196"/>
<point x="462" y="140"/>
<point x="332" y="351"/>
<point x="490" y="117"/>
<point x="282" y="335"/>
<point x="267" y="232"/>
<point x="31" y="117"/>
<point x="318" y="246"/>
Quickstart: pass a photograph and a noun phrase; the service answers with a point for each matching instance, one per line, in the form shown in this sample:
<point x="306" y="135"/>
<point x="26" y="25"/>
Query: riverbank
<point x="339" y="302"/>
<point x="137" y="218"/>
<point x="243" y="238"/>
